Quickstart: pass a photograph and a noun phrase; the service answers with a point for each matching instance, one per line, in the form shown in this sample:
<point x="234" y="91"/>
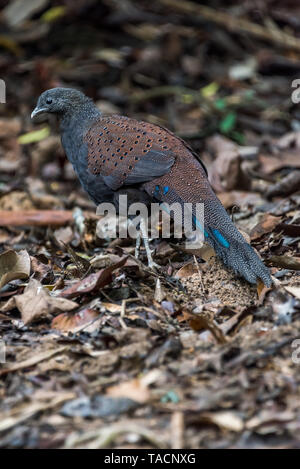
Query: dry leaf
<point x="295" y="291"/>
<point x="186" y="270"/>
<point x="14" y="265"/>
<point x="200" y="322"/>
<point x="71" y="322"/>
<point x="267" y="224"/>
<point x="36" y="303"/>
<point x="134" y="389"/>
<point x="225" y="419"/>
<point x="93" y="281"/>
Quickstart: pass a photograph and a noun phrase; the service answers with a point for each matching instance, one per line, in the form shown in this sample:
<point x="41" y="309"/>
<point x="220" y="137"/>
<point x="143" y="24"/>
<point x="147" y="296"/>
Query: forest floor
<point x="101" y="351"/>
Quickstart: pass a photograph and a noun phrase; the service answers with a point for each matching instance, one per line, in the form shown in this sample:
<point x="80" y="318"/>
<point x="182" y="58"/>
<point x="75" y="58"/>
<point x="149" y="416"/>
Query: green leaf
<point x="220" y="104"/>
<point x="53" y="14"/>
<point x="210" y="90"/>
<point x="238" y="137"/>
<point x="228" y="123"/>
<point x="34" y="136"/>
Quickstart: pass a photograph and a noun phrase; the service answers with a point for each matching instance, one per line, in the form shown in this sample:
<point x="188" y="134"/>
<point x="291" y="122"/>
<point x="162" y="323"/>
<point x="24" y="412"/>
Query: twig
<point x="36" y="217"/>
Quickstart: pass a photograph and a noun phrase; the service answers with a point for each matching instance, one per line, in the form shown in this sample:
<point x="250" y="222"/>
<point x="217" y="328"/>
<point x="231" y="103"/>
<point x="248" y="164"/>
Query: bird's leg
<point x="138" y="244"/>
<point x="144" y="235"/>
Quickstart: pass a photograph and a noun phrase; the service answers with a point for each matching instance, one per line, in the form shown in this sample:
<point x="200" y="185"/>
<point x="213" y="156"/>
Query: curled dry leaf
<point x="200" y="322"/>
<point x="186" y="270"/>
<point x="93" y="281"/>
<point x="36" y="303"/>
<point x="13" y="266"/>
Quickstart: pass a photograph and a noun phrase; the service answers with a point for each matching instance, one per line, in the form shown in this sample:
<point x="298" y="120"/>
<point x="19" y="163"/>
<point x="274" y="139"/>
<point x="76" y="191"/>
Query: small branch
<point x="35" y="217"/>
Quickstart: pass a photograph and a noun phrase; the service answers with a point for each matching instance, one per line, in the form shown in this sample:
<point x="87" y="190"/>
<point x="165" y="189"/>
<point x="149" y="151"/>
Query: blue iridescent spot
<point x="156" y="190"/>
<point x="166" y="190"/>
<point x="221" y="238"/>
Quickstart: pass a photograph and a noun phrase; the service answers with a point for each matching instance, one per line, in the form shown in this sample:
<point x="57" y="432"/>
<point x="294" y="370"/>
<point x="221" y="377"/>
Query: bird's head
<point x="59" y="101"/>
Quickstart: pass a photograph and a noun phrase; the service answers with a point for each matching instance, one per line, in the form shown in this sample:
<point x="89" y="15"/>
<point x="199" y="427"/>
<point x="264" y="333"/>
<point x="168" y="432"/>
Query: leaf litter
<point x="100" y="351"/>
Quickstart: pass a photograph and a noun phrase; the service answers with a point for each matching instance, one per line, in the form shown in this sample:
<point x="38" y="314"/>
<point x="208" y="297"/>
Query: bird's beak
<point x="37" y="111"/>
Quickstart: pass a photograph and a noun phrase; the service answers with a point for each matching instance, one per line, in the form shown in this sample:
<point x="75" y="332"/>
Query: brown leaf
<point x="270" y="164"/>
<point x="93" y="282"/>
<point x="14" y="265"/>
<point x="200" y="322"/>
<point x="240" y="198"/>
<point x="224" y="419"/>
<point x="41" y="270"/>
<point x="64" y="235"/>
<point x="36" y="303"/>
<point x="134" y="389"/>
<point x="71" y="322"/>
<point x="267" y="224"/>
<point x="186" y="270"/>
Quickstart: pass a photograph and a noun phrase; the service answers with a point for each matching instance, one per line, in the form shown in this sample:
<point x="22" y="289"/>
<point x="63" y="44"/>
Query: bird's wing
<point x="125" y="151"/>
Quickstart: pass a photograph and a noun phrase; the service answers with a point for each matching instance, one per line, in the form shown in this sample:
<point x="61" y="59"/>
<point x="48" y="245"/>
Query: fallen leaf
<point x="36" y="303"/>
<point x="93" y="281"/>
<point x="14" y="265"/>
<point x="134" y="389"/>
<point x="112" y="307"/>
<point x="267" y="224"/>
<point x="295" y="291"/>
<point x="225" y="419"/>
<point x="200" y="322"/>
<point x="186" y="270"/>
<point x="64" y="235"/>
<point x="71" y="322"/>
<point x="270" y="164"/>
<point x="34" y="136"/>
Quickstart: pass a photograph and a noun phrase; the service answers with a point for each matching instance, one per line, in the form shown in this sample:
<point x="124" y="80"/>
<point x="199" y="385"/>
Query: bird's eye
<point x="48" y="100"/>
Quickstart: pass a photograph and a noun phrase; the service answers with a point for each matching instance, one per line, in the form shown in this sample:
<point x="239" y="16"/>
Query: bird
<point x="116" y="154"/>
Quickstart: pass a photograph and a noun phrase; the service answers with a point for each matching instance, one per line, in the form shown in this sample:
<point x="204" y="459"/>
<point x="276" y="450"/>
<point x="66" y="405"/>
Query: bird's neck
<point x="81" y="117"/>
